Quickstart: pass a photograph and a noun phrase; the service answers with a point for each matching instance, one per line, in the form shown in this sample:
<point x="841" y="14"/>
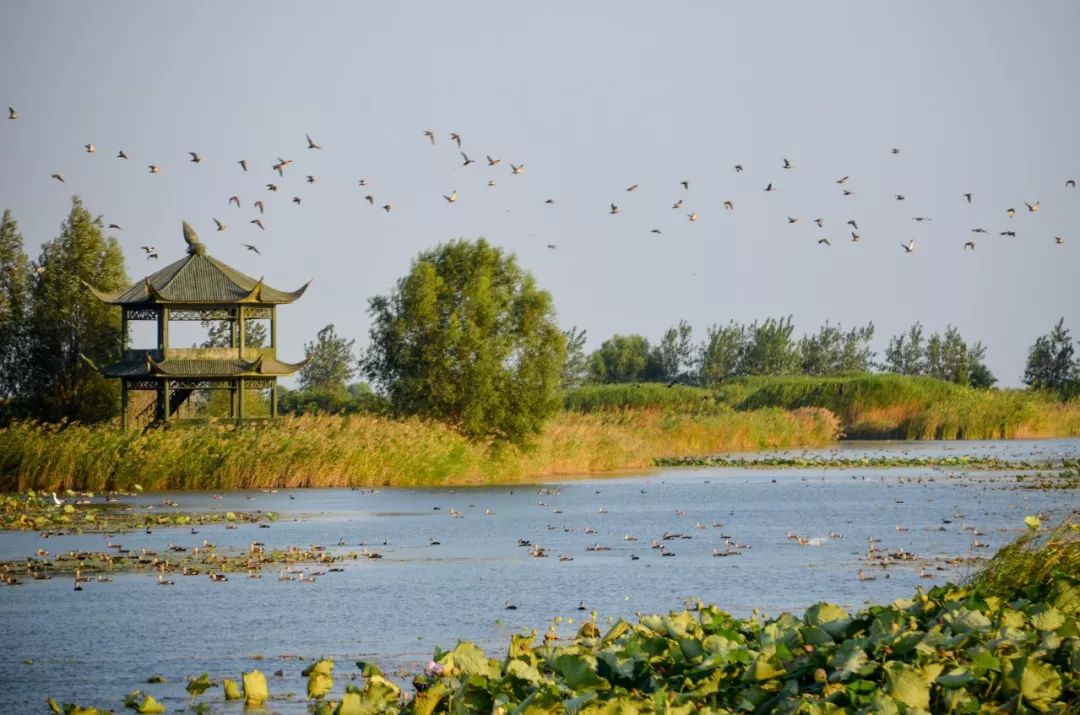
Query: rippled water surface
<point x="95" y="645"/>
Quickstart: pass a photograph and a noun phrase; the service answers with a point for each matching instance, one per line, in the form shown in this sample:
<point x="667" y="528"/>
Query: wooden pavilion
<point x="198" y="287"/>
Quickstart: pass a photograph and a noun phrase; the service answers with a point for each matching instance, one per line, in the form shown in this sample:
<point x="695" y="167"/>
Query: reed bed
<point x="363" y="450"/>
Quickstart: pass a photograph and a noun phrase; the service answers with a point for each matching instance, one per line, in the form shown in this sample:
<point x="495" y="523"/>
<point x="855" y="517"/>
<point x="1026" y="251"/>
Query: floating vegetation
<point x="1007" y="642"/>
<point x="880" y="462"/>
<point x="80" y="514"/>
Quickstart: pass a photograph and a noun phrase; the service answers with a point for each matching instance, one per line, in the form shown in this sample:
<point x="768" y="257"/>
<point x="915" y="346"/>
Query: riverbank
<point x="364" y="451"/>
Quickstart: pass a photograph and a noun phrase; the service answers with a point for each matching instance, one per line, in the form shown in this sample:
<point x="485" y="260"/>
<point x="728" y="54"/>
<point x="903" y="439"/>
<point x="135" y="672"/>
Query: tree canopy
<point x="1051" y="364"/>
<point x="330" y="363"/>
<point x="469" y="338"/>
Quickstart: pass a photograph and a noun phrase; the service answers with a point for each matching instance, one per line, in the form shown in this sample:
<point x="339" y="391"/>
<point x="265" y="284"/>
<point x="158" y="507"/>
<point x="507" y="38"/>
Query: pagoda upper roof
<point x="199" y="278"/>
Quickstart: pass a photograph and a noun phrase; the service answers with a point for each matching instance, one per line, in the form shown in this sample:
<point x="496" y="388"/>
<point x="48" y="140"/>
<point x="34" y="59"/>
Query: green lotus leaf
<point x="881" y="704"/>
<point x="232" y="689"/>
<point x="367" y="668"/>
<point x="426" y="701"/>
<point x="956" y="678"/>
<point x="150" y="705"/>
<point x="907" y="684"/>
<point x="69" y="509"/>
<point x="848" y="660"/>
<point x="1012" y="619"/>
<point x="320" y="678"/>
<point x="468" y="659"/>
<point x="579" y="672"/>
<point x="832" y="618"/>
<point x="622" y="705"/>
<point x="1033" y="522"/>
<point x="524" y="671"/>
<point x="816" y="636"/>
<point x="54" y="706"/>
<point x="256" y="691"/>
<point x="1065" y="597"/>
<point x="544" y="701"/>
<point x="762" y="669"/>
<point x="963" y="620"/>
<point x="380" y="695"/>
<point x="521" y="647"/>
<point x="1036" y="681"/>
<point x="351" y="704"/>
<point x="1046" y="618"/>
<point x="198" y="686"/>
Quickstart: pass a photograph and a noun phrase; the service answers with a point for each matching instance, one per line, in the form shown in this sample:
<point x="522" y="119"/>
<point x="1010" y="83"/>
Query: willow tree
<point x="467" y="337"/>
<point x="67" y="321"/>
<point x="14" y="308"/>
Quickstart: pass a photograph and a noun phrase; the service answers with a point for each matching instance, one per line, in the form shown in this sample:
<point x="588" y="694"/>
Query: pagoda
<point x="197" y="287"/>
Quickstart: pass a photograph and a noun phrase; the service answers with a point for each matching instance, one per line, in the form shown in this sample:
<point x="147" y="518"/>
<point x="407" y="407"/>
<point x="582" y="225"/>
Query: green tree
<point x="621" y="358"/>
<point x="576" y="366"/>
<point x="218" y="334"/>
<point x="14" y="308"/>
<point x="720" y="355"/>
<point x="906" y="353"/>
<point x="673" y="357"/>
<point x="330" y="363"/>
<point x="67" y="321"/>
<point x="948" y="358"/>
<point x="833" y="351"/>
<point x="468" y="337"/>
<point x="769" y="348"/>
<point x="979" y="374"/>
<point x="1051" y="364"/>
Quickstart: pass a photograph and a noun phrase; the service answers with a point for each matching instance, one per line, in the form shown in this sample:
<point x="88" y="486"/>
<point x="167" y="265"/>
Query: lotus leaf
<point x="963" y="620"/>
<point x="1046" y="618"/>
<point x="320" y="678"/>
<point x="544" y="701"/>
<point x="956" y="678"/>
<point x="1065" y="597"/>
<point x="1036" y="681"/>
<point x="622" y="705"/>
<point x="232" y="689"/>
<point x="579" y="672"/>
<point x="426" y="701"/>
<point x="150" y="705"/>
<point x="198" y="686"/>
<point x="351" y="704"/>
<point x="524" y="671"/>
<point x="380" y="695"/>
<point x="256" y="691"/>
<point x="1013" y="619"/>
<point x="1033" y="522"/>
<point x="908" y="684"/>
<point x="832" y="618"/>
<point x="763" y="669"/>
<point x="468" y="659"/>
<point x="367" y="668"/>
<point x="848" y="660"/>
<point x="69" y="509"/>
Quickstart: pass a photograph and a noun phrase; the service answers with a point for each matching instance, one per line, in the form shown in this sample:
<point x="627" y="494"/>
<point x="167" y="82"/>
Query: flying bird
<point x="11" y="113"/>
<point x="738" y="168"/>
<point x="614" y="210"/>
<point x="90" y="148"/>
<point x="979" y="230"/>
<point x="363" y="182"/>
<point x="221" y="226"/>
<point x="920" y="219"/>
<point x="243" y="164"/>
<point x="848" y="193"/>
<point x="517" y="169"/>
<point x="195" y="158"/>
<point x="895" y="150"/>
<point x="787" y="164"/>
<point x="824" y="241"/>
<point x="151" y="254"/>
<point x="454" y="136"/>
<point x="855" y="237"/>
<point x="310" y="179"/>
<point x="113" y="225"/>
<point x="492" y="182"/>
<point x="1059" y="240"/>
<point x="656" y="231"/>
<point x="969" y="244"/>
<point x="632" y="187"/>
<point x="154" y="169"/>
<point x="769" y="187"/>
<point x="553" y="246"/>
<point x="842" y="180"/>
<point x="792" y="220"/>
<point x="296" y="200"/>
<point x="467" y="159"/>
<point x="148" y="249"/>
<point x="235" y="200"/>
<point x="853" y="223"/>
<point x="968" y="197"/>
<point x="909" y="247"/>
<point x="258" y="222"/>
<point x="1011" y="212"/>
<point x="677" y="204"/>
<point x="692" y="216"/>
<point x="249" y="247"/>
<point x="387" y="207"/>
<point x="430" y="135"/>
<point x="370" y="199"/>
<point x="685" y="184"/>
<point x="259" y="205"/>
<point x="271" y="187"/>
<point x="1032" y="208"/>
<point x="549" y="201"/>
<point x="729" y="205"/>
<point x="452" y="198"/>
<point x="820" y="222"/>
<point x="1010" y="234"/>
<point x="1070" y="184"/>
<point x="900" y="197"/>
<point x="59" y="177"/>
<point x="310" y="143"/>
<point x="121" y="155"/>
<point x="491" y="161"/>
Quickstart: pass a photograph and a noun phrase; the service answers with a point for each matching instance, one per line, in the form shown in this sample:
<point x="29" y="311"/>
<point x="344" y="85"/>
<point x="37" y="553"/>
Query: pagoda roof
<point x="199" y="279"/>
<point x="263" y="366"/>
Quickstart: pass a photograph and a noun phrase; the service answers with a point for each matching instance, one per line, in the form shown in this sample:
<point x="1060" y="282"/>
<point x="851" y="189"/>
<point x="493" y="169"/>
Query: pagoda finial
<point x="192" y="238"/>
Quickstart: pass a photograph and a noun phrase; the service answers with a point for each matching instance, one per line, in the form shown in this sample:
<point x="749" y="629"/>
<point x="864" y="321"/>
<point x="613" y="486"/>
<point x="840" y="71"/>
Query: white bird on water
<point x="57" y="500"/>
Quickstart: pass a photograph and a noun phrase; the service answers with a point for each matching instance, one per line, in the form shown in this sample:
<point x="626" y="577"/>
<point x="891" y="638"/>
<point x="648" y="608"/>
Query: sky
<point x="591" y="98"/>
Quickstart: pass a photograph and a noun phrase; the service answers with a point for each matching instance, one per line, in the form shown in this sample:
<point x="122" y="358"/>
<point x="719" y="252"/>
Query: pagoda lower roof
<point x="199" y="279"/>
<point x="201" y="367"/>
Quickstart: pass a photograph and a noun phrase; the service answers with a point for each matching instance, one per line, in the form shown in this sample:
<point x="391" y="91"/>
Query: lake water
<point x="94" y="646"/>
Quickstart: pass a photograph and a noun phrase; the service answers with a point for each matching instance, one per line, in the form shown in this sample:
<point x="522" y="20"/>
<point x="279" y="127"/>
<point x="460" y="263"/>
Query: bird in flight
<point x="11" y="113"/>
<point x="848" y="193"/>
<point x="979" y="230"/>
<point x="90" y="148"/>
<point x="738" y="168"/>
<point x="920" y="219"/>
<point x="363" y="182"/>
<point x="151" y="254"/>
<point x="685" y="184"/>
<point x="249" y="247"/>
<point x="491" y="161"/>
<point x="370" y="199"/>
<point x="271" y="187"/>
<point x="692" y="216"/>
<point x="310" y="179"/>
<point x="677" y="204"/>
<point x="243" y="164"/>
<point x="454" y="136"/>
<point x="1032" y="207"/>
<point x="553" y="246"/>
<point x="787" y="164"/>
<point x="824" y="242"/>
<point x="968" y="197"/>
<point x="549" y="201"/>
<point x="842" y="180"/>
<point x="909" y="247"/>
<point x="853" y="223"/>
<point x="969" y="244"/>
<point x="296" y="200"/>
<point x="59" y="177"/>
<point x="729" y="205"/>
<point x="221" y="226"/>
<point x="259" y="205"/>
<point x="148" y="249"/>
<point x="895" y="150"/>
<point x="467" y="159"/>
<point x="195" y="158"/>
<point x="430" y="135"/>
<point x="614" y="210"/>
<point x="387" y="207"/>
<point x="519" y="168"/>
<point x="1059" y="240"/>
<point x="258" y="222"/>
<point x="116" y="226"/>
<point x="310" y="143"/>
<point x="1010" y="234"/>
<point x="1011" y="212"/>
<point x="792" y="220"/>
<point x="900" y="197"/>
<point x="769" y="187"/>
<point x="855" y="237"/>
<point x="492" y="182"/>
<point x="121" y="155"/>
<point x="632" y="187"/>
<point x="1070" y="184"/>
<point x="154" y="169"/>
<point x="452" y="198"/>
<point x="820" y="222"/>
<point x="656" y="231"/>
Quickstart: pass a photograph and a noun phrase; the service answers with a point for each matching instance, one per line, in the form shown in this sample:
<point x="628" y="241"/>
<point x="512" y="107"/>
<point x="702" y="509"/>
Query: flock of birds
<point x="277" y="172"/>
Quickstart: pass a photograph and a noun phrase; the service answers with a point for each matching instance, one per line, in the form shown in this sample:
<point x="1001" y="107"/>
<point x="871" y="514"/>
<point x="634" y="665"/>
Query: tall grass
<point x="868" y="406"/>
<point x="360" y="450"/>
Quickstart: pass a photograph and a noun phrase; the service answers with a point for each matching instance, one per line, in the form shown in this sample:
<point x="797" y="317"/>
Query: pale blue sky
<point x="592" y="98"/>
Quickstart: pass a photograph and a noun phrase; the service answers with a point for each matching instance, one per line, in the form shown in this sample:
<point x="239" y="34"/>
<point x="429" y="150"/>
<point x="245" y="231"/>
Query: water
<point x="95" y="645"/>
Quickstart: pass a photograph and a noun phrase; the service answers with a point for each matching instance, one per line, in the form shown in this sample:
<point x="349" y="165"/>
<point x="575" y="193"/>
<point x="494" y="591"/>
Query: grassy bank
<point x="358" y="450"/>
<point x="868" y="406"/>
<point x="1008" y="642"/>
